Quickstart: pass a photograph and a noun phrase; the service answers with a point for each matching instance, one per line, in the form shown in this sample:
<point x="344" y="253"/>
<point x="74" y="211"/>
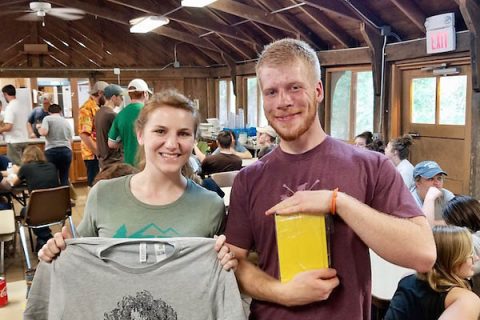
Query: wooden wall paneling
<point x="211" y="99"/>
<point x="163" y="84"/>
<point x="197" y="89"/>
<point x="475" y="146"/>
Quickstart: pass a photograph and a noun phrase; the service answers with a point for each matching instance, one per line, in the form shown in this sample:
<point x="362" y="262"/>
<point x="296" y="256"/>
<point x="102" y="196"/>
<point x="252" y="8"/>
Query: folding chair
<point x="7" y="233"/>
<point x="224" y="179"/>
<point x="46" y="207"/>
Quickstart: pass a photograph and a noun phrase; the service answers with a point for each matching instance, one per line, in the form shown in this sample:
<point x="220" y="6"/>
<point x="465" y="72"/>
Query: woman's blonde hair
<point x="454" y="247"/>
<point x="33" y="154"/>
<point x="166" y="98"/>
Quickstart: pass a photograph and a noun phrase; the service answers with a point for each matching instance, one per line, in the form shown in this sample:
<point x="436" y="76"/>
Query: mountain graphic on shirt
<point x="149" y="231"/>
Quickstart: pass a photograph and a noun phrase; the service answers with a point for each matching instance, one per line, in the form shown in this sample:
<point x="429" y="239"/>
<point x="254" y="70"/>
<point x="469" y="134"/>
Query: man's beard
<point x="289" y="134"/>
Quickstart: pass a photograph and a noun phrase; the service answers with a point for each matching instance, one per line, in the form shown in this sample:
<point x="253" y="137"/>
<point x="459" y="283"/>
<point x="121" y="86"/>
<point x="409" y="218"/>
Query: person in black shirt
<point x="37" y="173"/>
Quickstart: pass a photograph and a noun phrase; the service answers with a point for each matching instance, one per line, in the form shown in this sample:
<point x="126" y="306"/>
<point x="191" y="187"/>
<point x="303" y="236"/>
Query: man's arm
<point x="406" y="242"/>
<point x="87" y="139"/>
<point x="428" y="207"/>
<point x="6" y="127"/>
<point x="304" y="288"/>
<point x="113" y="144"/>
<point x="31" y="134"/>
<point x="244" y="155"/>
<point x="200" y="155"/>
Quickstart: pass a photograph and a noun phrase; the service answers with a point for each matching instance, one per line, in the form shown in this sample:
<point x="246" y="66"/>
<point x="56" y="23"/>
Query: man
<point x="429" y="193"/>
<point x="266" y="137"/>
<point x="87" y="130"/>
<point x="123" y="127"/>
<point x="37" y="115"/>
<point x="103" y="121"/>
<point x="373" y="208"/>
<point x="13" y="128"/>
<point x="223" y="161"/>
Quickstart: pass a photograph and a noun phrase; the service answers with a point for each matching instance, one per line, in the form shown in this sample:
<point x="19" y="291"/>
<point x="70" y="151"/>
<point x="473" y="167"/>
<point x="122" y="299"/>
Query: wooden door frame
<point x="472" y="113"/>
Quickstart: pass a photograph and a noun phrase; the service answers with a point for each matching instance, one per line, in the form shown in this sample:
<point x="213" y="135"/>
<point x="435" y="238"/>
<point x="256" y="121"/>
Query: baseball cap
<point x="268" y="130"/>
<point x="427" y="169"/>
<point x="98" y="86"/>
<point x="112" y="90"/>
<point x="138" y="85"/>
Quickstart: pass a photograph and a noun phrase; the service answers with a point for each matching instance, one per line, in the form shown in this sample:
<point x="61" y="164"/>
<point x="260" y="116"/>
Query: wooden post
<point x="471" y="14"/>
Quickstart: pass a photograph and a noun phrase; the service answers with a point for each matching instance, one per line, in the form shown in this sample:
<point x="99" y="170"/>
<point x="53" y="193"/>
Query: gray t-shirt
<point x="112" y="211"/>
<point x="60" y="132"/>
<point x="99" y="278"/>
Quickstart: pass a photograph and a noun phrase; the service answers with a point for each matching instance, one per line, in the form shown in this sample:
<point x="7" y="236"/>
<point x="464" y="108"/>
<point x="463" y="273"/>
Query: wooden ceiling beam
<point x="365" y="14"/>
<point x="124" y="18"/>
<point x="302" y="31"/>
<point x="470" y="10"/>
<point x="333" y="7"/>
<point x="329" y="26"/>
<point x="412" y="12"/>
<point x="250" y="13"/>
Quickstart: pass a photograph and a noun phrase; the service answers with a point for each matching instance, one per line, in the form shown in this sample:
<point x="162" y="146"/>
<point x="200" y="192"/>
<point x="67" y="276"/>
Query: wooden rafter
<point x="364" y="14"/>
<point x="375" y="43"/>
<point x="302" y="30"/>
<point x="328" y="25"/>
<point x="333" y="7"/>
<point x="470" y="10"/>
<point x="250" y="13"/>
<point x="412" y="12"/>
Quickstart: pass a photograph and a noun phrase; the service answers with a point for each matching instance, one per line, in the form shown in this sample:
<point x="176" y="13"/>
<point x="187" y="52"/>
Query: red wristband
<point x="334" y="201"/>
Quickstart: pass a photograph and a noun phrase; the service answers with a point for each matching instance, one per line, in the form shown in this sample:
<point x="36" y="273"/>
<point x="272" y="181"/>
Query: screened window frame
<point x="353" y="97"/>
<point x="230" y="91"/>
<point x="259" y="99"/>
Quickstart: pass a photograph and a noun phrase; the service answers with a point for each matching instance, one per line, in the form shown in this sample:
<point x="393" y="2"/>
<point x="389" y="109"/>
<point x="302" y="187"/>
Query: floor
<point x="15" y="265"/>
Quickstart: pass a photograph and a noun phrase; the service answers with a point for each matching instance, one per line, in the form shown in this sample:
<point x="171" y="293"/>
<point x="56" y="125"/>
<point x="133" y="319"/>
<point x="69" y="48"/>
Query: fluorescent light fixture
<point x="196" y="3"/>
<point x="146" y="24"/>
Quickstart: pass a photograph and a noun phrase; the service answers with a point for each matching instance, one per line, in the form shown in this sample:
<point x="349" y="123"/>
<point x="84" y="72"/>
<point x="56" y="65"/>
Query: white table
<point x="226" y="198"/>
<point x="246" y="162"/>
<point x="385" y="276"/>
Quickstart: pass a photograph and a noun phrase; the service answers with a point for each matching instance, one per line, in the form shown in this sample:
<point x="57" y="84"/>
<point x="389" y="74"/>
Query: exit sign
<point x="440" y="33"/>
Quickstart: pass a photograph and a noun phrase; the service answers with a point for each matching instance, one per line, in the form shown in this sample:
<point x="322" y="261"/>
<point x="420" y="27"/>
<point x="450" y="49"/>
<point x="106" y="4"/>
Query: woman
<point x="443" y="292"/>
<point x="38" y="174"/>
<point x="158" y="201"/>
<point x="397" y="151"/>
<point x="464" y="211"/>
<point x="363" y="139"/>
<point x="58" y="145"/>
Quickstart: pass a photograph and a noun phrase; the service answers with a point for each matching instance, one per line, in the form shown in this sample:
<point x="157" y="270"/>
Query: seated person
<point x="115" y="170"/>
<point x="38" y="173"/>
<point x="237" y="148"/>
<point x="266" y="138"/>
<point x="464" y="211"/>
<point x="429" y="192"/>
<point x="443" y="292"/>
<point x="225" y="160"/>
<point x="363" y="139"/>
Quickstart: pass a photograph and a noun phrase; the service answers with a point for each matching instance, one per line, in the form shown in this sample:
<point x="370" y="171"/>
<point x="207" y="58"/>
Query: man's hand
<point x="55" y="245"/>
<point x="317" y="202"/>
<point x="225" y="256"/>
<point x="433" y="193"/>
<point x="309" y="286"/>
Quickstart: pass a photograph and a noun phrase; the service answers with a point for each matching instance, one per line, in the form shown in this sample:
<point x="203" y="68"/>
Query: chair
<point x="7" y="233"/>
<point x="224" y="179"/>
<point x="46" y="207"/>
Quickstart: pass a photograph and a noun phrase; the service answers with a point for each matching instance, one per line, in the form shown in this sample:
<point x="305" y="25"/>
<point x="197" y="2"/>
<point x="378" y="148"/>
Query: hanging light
<point x="147" y="24"/>
<point x="196" y="3"/>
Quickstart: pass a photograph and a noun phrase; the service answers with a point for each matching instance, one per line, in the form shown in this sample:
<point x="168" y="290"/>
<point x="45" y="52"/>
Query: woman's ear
<point x="140" y="137"/>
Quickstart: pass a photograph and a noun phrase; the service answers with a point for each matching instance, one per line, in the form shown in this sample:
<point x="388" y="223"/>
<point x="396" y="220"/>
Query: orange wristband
<point x="334" y="201"/>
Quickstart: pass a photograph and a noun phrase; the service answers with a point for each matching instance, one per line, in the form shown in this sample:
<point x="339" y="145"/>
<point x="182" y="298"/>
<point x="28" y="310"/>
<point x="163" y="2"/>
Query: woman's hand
<point x="225" y="256"/>
<point x="55" y="245"/>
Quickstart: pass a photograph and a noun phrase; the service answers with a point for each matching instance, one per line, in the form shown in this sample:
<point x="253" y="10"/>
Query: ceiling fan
<point x="38" y="11"/>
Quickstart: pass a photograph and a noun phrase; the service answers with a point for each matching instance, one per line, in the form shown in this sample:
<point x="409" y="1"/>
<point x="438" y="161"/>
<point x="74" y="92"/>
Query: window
<point x="255" y="114"/>
<point x="226" y="103"/>
<point x="439" y="100"/>
<point x="351" y="102"/>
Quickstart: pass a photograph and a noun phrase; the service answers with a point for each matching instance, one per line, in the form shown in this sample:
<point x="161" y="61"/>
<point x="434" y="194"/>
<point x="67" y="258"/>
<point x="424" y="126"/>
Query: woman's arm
<point x="461" y="304"/>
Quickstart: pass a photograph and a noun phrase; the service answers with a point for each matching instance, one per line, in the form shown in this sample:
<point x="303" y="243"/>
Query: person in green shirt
<point x="122" y="130"/>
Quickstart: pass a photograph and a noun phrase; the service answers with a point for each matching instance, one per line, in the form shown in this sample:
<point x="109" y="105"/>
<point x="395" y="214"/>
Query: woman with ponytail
<point x="397" y="151"/>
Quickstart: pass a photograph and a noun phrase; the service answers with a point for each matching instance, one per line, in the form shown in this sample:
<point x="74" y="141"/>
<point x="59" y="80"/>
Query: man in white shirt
<point x="429" y="192"/>
<point x="13" y="128"/>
